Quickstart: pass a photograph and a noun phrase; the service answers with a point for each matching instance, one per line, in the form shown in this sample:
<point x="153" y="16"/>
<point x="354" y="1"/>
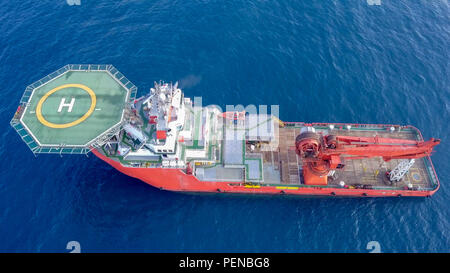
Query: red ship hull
<point x="177" y="180"/>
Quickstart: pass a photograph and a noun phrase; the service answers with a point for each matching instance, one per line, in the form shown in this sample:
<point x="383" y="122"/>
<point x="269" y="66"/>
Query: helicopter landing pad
<point x="75" y="108"/>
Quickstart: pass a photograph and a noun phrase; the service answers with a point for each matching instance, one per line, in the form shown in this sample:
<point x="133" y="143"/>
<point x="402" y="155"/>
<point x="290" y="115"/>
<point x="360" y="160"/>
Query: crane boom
<point x="396" y="149"/>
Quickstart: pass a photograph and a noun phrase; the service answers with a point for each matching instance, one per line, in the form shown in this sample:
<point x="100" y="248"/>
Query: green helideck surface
<point x="110" y="101"/>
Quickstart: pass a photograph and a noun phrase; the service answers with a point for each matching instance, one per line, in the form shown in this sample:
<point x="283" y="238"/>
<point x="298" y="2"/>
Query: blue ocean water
<point x="324" y="61"/>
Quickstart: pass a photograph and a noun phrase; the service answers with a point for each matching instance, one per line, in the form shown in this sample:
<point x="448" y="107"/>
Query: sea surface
<point x="320" y="61"/>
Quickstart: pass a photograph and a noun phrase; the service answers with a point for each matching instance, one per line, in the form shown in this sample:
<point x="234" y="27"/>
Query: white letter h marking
<point x="64" y="104"/>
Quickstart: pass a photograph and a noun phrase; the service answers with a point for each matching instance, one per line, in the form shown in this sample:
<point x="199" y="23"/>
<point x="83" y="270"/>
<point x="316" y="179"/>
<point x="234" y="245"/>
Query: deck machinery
<point x="324" y="154"/>
<point x="171" y="142"/>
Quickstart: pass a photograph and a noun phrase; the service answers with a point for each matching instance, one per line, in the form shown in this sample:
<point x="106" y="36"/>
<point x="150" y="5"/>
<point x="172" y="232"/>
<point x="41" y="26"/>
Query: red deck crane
<point x="321" y="154"/>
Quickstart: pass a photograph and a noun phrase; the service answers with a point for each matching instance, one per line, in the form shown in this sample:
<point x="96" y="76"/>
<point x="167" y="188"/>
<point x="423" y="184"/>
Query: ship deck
<point x="285" y="163"/>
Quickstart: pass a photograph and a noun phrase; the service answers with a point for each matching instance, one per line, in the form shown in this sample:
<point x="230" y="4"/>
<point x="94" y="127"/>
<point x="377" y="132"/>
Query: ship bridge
<point x="74" y="109"/>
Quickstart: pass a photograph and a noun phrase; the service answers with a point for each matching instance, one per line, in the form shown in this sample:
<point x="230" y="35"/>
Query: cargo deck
<point x="358" y="172"/>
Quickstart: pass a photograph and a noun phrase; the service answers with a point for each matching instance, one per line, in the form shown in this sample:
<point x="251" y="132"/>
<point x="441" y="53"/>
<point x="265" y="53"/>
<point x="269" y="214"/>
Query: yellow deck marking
<point x="286" y="188"/>
<point x="70" y="124"/>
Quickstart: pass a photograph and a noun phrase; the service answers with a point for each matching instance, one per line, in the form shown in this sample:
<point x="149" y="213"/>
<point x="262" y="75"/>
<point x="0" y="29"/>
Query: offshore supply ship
<point x="171" y="142"/>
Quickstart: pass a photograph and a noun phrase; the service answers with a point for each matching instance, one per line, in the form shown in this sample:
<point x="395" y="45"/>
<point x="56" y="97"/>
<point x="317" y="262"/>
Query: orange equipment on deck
<point x="321" y="154"/>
